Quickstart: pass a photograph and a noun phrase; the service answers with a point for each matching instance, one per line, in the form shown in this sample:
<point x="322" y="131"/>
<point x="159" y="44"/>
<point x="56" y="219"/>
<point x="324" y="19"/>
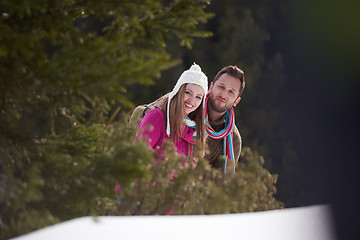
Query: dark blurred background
<point x="301" y="101"/>
<point x="65" y="64"/>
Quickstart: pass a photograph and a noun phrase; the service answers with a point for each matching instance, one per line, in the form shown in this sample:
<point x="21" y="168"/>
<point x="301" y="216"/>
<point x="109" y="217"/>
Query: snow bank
<point x="310" y="223"/>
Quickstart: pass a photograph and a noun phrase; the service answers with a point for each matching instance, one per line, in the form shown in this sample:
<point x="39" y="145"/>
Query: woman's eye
<point x="198" y="97"/>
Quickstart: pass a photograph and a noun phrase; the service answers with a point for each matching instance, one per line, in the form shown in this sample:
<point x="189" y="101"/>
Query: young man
<point x="223" y="140"/>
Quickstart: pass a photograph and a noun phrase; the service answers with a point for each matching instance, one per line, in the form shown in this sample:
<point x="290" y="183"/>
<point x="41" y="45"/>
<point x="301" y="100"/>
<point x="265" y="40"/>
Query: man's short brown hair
<point x="235" y="72"/>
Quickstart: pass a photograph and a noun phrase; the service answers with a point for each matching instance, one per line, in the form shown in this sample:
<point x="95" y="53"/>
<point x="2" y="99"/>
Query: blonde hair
<point x="177" y="115"/>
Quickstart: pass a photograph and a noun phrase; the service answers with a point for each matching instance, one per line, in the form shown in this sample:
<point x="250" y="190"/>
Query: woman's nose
<point x="191" y="98"/>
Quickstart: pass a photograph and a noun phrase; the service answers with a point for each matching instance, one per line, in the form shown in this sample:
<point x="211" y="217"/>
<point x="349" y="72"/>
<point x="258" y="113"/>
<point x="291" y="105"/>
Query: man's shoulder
<point x="236" y="131"/>
<point x="137" y="115"/>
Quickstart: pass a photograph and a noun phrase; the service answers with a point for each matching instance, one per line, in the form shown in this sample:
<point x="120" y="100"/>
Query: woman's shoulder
<point x="155" y="113"/>
<point x="154" y="117"/>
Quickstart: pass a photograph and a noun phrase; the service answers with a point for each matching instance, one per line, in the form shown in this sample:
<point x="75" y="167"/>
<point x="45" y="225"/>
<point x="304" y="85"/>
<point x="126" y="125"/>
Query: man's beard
<point x="216" y="108"/>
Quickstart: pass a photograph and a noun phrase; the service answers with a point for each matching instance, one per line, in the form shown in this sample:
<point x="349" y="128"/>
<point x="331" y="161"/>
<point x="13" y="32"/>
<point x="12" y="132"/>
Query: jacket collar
<point x="220" y="121"/>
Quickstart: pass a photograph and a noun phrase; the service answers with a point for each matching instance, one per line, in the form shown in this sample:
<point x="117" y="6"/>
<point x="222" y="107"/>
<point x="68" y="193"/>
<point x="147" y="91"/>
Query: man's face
<point x="224" y="93"/>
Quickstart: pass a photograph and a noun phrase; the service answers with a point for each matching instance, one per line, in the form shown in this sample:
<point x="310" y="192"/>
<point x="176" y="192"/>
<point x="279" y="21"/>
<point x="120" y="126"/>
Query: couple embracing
<point x="193" y="115"/>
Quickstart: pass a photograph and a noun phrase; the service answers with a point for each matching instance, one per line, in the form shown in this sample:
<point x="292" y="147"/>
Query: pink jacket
<point x="157" y="133"/>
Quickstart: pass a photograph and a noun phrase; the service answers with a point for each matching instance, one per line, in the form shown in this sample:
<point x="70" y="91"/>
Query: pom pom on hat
<point x="195" y="67"/>
<point x="193" y="75"/>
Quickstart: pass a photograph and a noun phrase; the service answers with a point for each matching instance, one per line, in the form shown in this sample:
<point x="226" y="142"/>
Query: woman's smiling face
<point x="193" y="96"/>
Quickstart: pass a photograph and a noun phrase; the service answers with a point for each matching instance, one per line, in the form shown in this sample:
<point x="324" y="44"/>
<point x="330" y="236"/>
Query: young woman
<point x="179" y="116"/>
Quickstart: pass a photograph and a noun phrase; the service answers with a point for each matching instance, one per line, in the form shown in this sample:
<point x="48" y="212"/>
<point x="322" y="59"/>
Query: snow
<point x="310" y="223"/>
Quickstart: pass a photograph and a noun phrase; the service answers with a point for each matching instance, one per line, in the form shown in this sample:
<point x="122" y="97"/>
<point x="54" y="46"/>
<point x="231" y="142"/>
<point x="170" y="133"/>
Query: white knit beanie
<point x="193" y="75"/>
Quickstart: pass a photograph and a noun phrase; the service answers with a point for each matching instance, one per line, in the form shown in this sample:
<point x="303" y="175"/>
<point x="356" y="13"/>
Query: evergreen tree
<point x="175" y="187"/>
<point x="65" y="67"/>
<point x="248" y="34"/>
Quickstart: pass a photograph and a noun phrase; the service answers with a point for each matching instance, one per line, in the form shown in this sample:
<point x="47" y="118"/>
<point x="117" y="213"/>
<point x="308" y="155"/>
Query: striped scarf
<point x="226" y="134"/>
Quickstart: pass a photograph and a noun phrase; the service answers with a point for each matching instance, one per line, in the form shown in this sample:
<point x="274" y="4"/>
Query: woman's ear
<point x="236" y="101"/>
